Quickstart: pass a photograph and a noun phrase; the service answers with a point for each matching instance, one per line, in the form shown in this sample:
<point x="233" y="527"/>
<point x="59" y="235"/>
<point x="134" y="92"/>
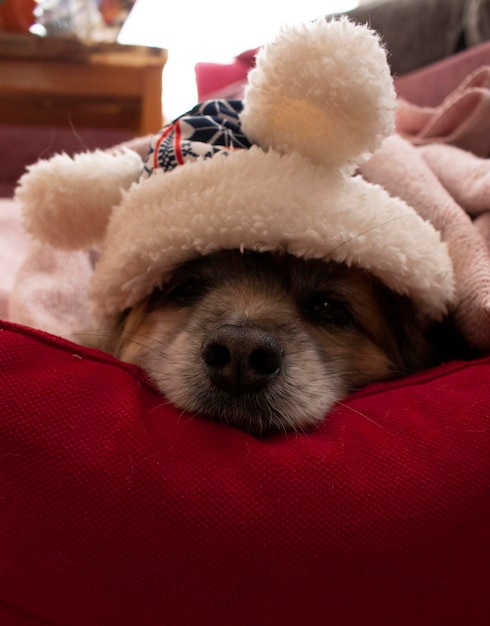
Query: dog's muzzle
<point x="242" y="359"/>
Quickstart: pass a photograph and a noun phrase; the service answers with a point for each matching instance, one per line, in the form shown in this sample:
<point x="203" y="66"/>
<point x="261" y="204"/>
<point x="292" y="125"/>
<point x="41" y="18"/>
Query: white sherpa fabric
<point x="323" y="89"/>
<point x="263" y="201"/>
<point x="67" y="201"/>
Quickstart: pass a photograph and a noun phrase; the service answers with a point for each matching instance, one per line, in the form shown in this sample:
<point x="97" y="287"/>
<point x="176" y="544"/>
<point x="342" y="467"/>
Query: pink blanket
<point x="435" y="163"/>
<point x="463" y="118"/>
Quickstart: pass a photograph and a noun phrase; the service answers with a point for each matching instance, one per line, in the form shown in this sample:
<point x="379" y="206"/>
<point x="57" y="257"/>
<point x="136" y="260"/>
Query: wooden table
<point x="64" y="82"/>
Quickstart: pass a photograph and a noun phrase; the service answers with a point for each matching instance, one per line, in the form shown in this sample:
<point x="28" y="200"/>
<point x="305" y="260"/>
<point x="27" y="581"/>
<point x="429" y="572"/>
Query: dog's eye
<point x="323" y="308"/>
<point x="181" y="294"/>
<point x="184" y="294"/>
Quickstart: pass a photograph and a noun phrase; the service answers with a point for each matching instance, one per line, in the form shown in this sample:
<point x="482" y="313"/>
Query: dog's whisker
<point x="141" y="340"/>
<point x="368" y="230"/>
<point x="369" y="419"/>
<point x="181" y="415"/>
<point x="160" y="406"/>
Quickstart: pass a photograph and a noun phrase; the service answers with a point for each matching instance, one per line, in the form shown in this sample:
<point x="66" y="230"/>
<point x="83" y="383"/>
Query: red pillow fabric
<point x="117" y="509"/>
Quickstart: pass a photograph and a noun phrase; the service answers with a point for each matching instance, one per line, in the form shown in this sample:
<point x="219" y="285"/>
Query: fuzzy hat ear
<point x="324" y="91"/>
<point x="67" y="201"/>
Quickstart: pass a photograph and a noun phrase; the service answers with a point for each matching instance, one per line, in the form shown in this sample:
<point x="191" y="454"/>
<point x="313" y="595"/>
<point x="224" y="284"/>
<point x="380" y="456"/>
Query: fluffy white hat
<point x="275" y="172"/>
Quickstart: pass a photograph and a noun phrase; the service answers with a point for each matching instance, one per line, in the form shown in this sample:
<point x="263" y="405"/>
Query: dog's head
<point x="268" y="341"/>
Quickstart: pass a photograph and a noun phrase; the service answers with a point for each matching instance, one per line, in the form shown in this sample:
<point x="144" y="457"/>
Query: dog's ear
<point x="406" y="339"/>
<point x="421" y="344"/>
<point x="67" y="201"/>
<point x="448" y="342"/>
<point x="109" y="336"/>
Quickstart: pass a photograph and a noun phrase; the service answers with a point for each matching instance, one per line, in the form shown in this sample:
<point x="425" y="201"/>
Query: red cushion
<point x="116" y="509"/>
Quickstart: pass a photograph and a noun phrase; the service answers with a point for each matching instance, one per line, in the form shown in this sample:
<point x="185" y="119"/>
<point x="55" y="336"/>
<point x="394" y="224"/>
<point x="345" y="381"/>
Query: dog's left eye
<point x="182" y="294"/>
<point x="323" y="308"/>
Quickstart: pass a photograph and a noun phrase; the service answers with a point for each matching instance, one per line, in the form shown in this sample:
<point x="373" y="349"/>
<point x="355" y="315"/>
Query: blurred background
<point x="192" y="32"/>
<point x="82" y="74"/>
<point x="196" y="31"/>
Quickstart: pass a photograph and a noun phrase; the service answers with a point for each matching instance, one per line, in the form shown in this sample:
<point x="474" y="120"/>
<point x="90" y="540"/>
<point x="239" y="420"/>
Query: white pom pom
<point x="67" y="201"/>
<point x="323" y="89"/>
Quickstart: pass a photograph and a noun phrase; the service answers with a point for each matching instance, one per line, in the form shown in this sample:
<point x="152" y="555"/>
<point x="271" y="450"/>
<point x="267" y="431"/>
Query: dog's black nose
<point x="241" y="358"/>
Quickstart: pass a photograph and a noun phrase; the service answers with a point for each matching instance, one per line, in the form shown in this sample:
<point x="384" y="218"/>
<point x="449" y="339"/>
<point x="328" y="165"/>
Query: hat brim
<point x="264" y="201"/>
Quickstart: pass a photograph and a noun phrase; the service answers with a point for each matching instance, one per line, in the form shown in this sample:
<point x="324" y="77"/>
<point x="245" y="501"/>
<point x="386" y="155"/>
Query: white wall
<point x="194" y="31"/>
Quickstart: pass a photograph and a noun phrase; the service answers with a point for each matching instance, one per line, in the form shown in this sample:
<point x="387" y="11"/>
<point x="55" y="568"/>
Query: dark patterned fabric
<point x="211" y="127"/>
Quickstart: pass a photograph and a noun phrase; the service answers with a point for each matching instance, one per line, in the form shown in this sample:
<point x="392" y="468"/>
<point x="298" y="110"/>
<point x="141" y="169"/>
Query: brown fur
<point x="316" y="331"/>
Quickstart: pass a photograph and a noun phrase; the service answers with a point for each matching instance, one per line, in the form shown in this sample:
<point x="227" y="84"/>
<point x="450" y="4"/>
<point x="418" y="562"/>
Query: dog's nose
<point x="241" y="358"/>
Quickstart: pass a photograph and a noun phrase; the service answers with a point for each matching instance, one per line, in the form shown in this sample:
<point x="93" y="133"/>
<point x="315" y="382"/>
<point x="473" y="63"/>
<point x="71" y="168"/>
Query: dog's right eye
<point x="325" y="308"/>
<point x="181" y="294"/>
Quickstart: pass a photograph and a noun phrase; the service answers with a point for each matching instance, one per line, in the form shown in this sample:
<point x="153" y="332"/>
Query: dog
<point x="267" y="341"/>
